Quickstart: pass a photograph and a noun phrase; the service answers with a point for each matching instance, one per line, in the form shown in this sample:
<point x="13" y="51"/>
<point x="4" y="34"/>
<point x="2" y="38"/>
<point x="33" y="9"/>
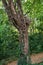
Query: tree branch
<point x="11" y="5"/>
<point x="14" y="13"/>
<point x="27" y="20"/>
<point x="5" y="3"/>
<point x="16" y="18"/>
<point x="19" y="7"/>
<point x="11" y="13"/>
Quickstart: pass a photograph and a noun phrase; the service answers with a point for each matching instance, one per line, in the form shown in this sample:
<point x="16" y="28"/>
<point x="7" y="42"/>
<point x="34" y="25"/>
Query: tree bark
<point x="21" y="22"/>
<point x="24" y="58"/>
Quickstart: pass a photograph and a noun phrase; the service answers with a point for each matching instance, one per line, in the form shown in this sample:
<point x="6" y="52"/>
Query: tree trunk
<point x="21" y="22"/>
<point x="24" y="47"/>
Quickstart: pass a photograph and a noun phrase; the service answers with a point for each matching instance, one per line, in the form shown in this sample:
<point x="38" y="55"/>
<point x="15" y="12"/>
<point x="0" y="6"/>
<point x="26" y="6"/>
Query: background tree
<point x="21" y="22"/>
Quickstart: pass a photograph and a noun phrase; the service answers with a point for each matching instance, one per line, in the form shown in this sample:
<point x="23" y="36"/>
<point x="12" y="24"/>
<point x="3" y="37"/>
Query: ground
<point x="35" y="58"/>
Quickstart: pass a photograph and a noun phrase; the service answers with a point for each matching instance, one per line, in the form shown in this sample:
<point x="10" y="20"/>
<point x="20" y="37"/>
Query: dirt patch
<point x="35" y="58"/>
<point x="13" y="63"/>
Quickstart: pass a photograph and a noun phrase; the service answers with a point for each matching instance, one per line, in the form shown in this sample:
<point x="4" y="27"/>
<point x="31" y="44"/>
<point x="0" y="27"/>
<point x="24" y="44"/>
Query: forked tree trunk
<point x="21" y="22"/>
<point x="24" y="47"/>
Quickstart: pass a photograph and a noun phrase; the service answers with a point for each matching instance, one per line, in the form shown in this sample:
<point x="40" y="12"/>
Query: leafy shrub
<point x="9" y="43"/>
<point x="36" y="42"/>
<point x="8" y="38"/>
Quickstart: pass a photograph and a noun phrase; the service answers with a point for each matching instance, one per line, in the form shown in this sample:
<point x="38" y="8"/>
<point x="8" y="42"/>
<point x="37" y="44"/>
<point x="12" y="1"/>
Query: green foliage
<point x="36" y="42"/>
<point x="8" y="38"/>
<point x="9" y="43"/>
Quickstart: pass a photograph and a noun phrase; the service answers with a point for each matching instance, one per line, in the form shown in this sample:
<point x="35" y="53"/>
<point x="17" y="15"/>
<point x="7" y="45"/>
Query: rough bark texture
<point x="24" y="47"/>
<point x="21" y="22"/>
